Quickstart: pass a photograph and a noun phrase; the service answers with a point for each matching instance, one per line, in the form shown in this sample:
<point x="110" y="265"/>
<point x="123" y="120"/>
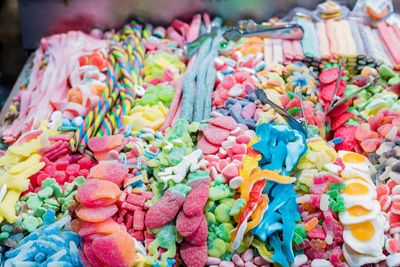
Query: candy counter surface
<point x="200" y="144"/>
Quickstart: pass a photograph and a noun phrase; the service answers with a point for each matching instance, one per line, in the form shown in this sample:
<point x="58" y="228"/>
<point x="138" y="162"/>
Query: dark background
<point x="12" y="55"/>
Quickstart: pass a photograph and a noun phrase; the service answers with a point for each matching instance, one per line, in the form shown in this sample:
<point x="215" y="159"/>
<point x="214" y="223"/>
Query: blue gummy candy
<point x="170" y="263"/>
<point x="74" y="254"/>
<point x="49" y="217"/>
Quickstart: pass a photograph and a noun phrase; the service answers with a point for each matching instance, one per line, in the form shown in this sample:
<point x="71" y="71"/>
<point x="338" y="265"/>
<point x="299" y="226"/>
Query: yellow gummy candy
<point x="317" y="146"/>
<point x="22" y="166"/>
<point x="7" y="207"/>
<point x="26" y="148"/>
<point x="10" y="159"/>
<point x="17" y="181"/>
<point x="260" y="245"/>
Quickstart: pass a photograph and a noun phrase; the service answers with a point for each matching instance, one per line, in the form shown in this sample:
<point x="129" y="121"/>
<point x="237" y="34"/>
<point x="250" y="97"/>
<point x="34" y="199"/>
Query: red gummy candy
<point x="60" y="177"/>
<point x="164" y="210"/>
<point x="100" y="144"/>
<point x="199" y="237"/>
<point x="337" y="122"/>
<point x="117" y="249"/>
<point x="370" y="145"/>
<point x="193" y="255"/>
<point x="41" y="177"/>
<point x="195" y="200"/>
<point x="72" y="169"/>
<point x="90" y="256"/>
<point x="96" y="214"/>
<point x="61" y="165"/>
<point x="85" y="163"/>
<point x="363" y="132"/>
<point x="329" y="75"/>
<point x="186" y="225"/>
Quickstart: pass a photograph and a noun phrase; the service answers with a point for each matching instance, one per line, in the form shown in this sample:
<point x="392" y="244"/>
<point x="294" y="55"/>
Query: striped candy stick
<point x="99" y="118"/>
<point x="111" y="79"/>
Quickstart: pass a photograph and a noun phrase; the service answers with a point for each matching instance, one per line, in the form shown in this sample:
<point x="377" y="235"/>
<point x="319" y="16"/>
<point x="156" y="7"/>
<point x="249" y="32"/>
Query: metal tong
<point x="291" y="31"/>
<point x="191" y="48"/>
<point x="341" y="100"/>
<point x="292" y="121"/>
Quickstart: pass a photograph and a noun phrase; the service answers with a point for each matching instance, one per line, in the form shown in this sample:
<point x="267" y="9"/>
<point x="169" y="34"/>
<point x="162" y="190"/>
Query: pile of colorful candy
<point x="180" y="146"/>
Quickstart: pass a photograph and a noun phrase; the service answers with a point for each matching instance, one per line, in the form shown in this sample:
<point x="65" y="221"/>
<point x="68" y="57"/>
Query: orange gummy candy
<point x="311" y="224"/>
<point x="96" y="214"/>
<point x="117" y="249"/>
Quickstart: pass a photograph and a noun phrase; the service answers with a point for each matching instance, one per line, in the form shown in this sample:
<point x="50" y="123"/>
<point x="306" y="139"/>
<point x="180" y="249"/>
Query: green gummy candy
<point x="48" y="182"/>
<point x="382" y="81"/>
<point x="217" y="248"/>
<point x="210" y="218"/>
<point x="222" y="213"/>
<point x="34" y="202"/>
<point x="180" y="189"/>
<point x="299" y="229"/>
<point x="40" y="212"/>
<point x="58" y="192"/>
<point x="223" y="231"/>
<point x="4" y="235"/>
<point x="394" y="80"/>
<point x="198" y="175"/>
<point x="219" y="192"/>
<point x="386" y="72"/>
<point x="45" y="193"/>
<point x="229" y="202"/>
<point x="210" y="206"/>
<point x="338" y="186"/>
<point x="297" y="238"/>
<point x="333" y="194"/>
<point x="175" y="155"/>
<point x="237" y="206"/>
<point x="228" y="255"/>
<point x="7" y="228"/>
<point x="30" y="223"/>
<point x="80" y="180"/>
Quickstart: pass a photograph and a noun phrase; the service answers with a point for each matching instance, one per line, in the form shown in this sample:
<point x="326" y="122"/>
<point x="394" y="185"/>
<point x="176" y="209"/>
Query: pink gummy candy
<point x="117" y="249"/>
<point x="226" y="122"/>
<point x="370" y="145"/>
<point x="164" y="210"/>
<point x="108" y="226"/>
<point x="316" y="233"/>
<point x="90" y="256"/>
<point x="207" y="147"/>
<point x="193" y="255"/>
<point x="186" y="225"/>
<point x="96" y="192"/>
<point x="96" y="214"/>
<point x="199" y="237"/>
<point x="195" y="200"/>
<point x="215" y="135"/>
<point x="109" y="170"/>
<point x="100" y="144"/>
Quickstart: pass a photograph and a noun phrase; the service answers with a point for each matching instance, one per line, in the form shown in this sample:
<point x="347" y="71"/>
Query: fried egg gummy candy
<point x="363" y="222"/>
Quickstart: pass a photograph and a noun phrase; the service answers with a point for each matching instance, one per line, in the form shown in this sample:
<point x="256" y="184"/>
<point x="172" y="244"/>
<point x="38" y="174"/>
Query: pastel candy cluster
<point x="53" y="244"/>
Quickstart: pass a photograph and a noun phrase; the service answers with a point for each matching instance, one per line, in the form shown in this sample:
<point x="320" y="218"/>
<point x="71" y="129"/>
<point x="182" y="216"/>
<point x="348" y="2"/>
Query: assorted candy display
<point x="199" y="144"/>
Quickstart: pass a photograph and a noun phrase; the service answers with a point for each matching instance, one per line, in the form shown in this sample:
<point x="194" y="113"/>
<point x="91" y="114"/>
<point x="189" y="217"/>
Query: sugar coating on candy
<point x="97" y="214"/>
<point x="117" y="249"/>
<point x="187" y="225"/>
<point x="96" y="192"/>
<point x="207" y="147"/>
<point x="100" y="144"/>
<point x="193" y="255"/>
<point x="199" y="237"/>
<point x="195" y="200"/>
<point x="111" y="171"/>
<point x="215" y="135"/>
<point x="225" y="122"/>
<point x="164" y="210"/>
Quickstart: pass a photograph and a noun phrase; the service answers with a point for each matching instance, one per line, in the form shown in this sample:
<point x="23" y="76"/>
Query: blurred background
<point x="24" y="22"/>
<point x="12" y="55"/>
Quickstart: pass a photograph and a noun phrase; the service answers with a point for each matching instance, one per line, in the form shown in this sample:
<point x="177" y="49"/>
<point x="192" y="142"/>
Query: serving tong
<point x="292" y="121"/>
